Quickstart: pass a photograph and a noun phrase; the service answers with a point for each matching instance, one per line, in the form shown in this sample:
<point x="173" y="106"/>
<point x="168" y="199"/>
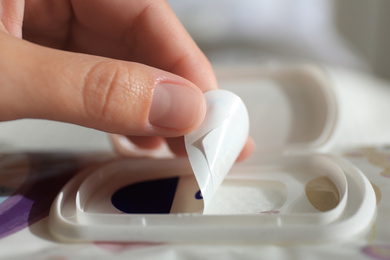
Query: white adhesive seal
<point x="213" y="147"/>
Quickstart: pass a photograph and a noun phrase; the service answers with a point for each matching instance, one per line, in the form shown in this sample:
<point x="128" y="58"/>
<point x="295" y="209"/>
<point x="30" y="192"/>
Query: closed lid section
<point x="292" y="110"/>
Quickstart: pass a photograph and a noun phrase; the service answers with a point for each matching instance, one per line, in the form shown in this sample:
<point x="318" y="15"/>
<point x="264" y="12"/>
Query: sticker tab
<point x="213" y="147"/>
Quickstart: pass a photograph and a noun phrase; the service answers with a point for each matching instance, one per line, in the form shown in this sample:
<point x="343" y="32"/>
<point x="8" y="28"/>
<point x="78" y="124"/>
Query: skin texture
<point x="124" y="67"/>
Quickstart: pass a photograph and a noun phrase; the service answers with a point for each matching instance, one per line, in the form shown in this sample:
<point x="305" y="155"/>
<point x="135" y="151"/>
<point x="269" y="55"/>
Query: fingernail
<point x="176" y="107"/>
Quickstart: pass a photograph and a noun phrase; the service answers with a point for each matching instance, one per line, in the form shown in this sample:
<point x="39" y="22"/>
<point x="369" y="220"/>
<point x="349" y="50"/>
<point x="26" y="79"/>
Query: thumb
<point x="110" y="95"/>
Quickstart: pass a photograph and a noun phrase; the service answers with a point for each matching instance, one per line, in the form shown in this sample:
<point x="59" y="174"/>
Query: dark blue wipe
<point x="148" y="197"/>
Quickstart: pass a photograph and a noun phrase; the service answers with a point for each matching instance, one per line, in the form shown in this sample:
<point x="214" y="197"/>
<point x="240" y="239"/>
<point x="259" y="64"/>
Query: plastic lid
<point x="292" y="109"/>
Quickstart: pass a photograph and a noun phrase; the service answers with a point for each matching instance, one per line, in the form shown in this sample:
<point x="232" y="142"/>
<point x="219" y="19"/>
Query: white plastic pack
<point x="275" y="196"/>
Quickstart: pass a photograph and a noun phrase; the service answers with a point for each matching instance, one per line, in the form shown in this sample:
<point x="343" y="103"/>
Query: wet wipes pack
<point x="286" y="192"/>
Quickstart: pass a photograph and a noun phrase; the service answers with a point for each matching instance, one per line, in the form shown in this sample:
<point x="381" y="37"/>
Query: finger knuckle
<point x="106" y="86"/>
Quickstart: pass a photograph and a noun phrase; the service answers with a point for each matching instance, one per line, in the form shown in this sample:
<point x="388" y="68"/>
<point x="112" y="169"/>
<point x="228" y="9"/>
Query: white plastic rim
<point x="69" y="220"/>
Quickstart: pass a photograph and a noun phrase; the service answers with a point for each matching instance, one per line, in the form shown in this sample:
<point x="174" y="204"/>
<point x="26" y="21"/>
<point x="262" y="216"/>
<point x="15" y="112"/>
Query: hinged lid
<point x="292" y="110"/>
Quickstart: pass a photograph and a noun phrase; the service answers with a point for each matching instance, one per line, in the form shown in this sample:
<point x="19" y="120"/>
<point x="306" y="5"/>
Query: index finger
<point x="152" y="35"/>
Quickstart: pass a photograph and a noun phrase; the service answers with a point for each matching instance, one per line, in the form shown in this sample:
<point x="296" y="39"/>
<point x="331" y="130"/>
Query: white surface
<point x="364" y="109"/>
<point x="44" y="135"/>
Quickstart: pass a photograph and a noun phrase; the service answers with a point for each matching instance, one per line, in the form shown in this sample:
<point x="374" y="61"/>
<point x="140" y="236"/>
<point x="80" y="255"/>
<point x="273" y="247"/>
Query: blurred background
<point x="350" y="38"/>
<point x="345" y="33"/>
